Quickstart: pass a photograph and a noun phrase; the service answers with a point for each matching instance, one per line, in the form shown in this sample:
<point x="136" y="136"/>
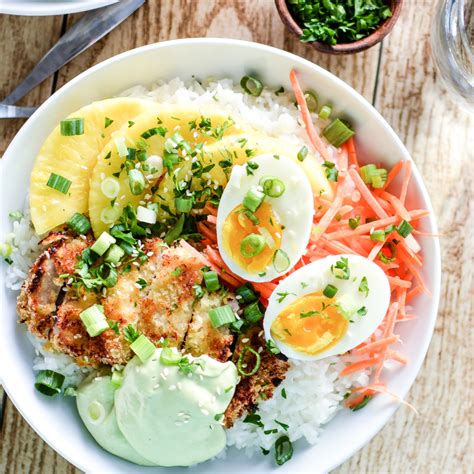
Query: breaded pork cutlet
<point x="157" y="298"/>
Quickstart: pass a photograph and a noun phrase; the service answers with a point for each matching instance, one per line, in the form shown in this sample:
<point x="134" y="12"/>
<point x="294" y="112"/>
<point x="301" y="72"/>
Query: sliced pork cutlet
<point x="36" y="304"/>
<point x="260" y="386"/>
<point x="202" y="337"/>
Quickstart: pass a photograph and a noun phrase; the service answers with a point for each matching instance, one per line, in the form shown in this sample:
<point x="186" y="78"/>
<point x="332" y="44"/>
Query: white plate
<point x="56" y="420"/>
<point x="50" y="7"/>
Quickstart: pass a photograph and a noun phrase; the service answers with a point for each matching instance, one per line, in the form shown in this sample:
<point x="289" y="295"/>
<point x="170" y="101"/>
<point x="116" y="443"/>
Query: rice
<point x="314" y="391"/>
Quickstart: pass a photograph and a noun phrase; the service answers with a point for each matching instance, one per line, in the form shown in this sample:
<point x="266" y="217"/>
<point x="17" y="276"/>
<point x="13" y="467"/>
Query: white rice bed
<point x="314" y="391"/>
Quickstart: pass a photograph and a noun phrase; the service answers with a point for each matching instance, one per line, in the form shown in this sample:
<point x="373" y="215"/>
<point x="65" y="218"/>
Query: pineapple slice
<point x="196" y="126"/>
<point x="74" y="157"/>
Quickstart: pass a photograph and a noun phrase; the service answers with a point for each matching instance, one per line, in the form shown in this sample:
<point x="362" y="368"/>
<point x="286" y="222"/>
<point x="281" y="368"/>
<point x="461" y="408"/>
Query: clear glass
<point x="452" y="40"/>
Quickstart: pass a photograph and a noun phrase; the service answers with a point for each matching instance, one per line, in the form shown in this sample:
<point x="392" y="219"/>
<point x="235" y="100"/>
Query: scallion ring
<point x="251" y="85"/>
<point x="337" y="132"/>
<point x="72" y="126"/>
<point x="253" y="199"/>
<point x="143" y="347"/>
<point x="252" y="245"/>
<point x="281" y="261"/>
<point x="94" y="320"/>
<point x="136" y="181"/>
<point x="273" y="187"/>
<point x="49" y="382"/>
<point x="311" y="101"/>
<point x="211" y="279"/>
<point x="283" y="450"/>
<point x="221" y="315"/>
<point x="59" y="183"/>
<point x="79" y="223"/>
<point x="169" y="357"/>
<point x="240" y="362"/>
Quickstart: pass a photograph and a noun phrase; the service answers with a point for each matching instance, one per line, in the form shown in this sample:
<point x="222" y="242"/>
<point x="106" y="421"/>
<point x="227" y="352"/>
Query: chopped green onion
<point x="364" y="286"/>
<point x="377" y="236"/>
<point x="252" y="313"/>
<point x="404" y="228"/>
<point x="183" y="205"/>
<point x="366" y="173"/>
<point x="341" y="269"/>
<point x="169" y="357"/>
<point x="311" y="101"/>
<point x="283" y="450"/>
<point x="253" y="199"/>
<point x="70" y="392"/>
<point x="251" y="85"/>
<point x="108" y="122"/>
<point x="122" y="149"/>
<point x="49" y="382"/>
<point x="303" y="153"/>
<point x="102" y="244"/>
<point x="110" y="214"/>
<point x="59" y="183"/>
<point x="211" y="279"/>
<point x="110" y="187"/>
<point x="79" y="223"/>
<point x="72" y="126"/>
<point x="154" y="131"/>
<point x="331" y="171"/>
<point x="252" y="245"/>
<point x="325" y="112"/>
<point x="281" y="261"/>
<point x="143" y="347"/>
<point x="272" y="348"/>
<point x="240" y="362"/>
<point x="5" y="250"/>
<point x="221" y="315"/>
<point x="146" y="215"/>
<point x="94" y="320"/>
<point x="337" y="133"/>
<point x="273" y="187"/>
<point x="330" y="291"/>
<point x="136" y="181"/>
<point x="246" y="294"/>
<point x="176" y="231"/>
<point x="16" y="216"/>
<point x="354" y="222"/>
<point x="363" y="403"/>
<point x="379" y="178"/>
<point x="117" y="378"/>
<point x="109" y="275"/>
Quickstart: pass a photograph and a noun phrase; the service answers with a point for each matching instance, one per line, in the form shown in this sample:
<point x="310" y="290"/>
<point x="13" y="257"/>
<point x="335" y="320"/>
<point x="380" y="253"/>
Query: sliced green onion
<point x="169" y="357"/>
<point x="354" y="222"/>
<point x="221" y="315"/>
<point x="102" y="244"/>
<point x="183" y="205"/>
<point x="16" y="216"/>
<point x="379" y="178"/>
<point x="176" y="231"/>
<point x="154" y="164"/>
<point x="110" y="214"/>
<point x="377" y="236"/>
<point x="246" y="294"/>
<point x="49" y="382"/>
<point x="72" y="126"/>
<point x="253" y="199"/>
<point x="5" y="250"/>
<point x="281" y="261"/>
<point x="330" y="291"/>
<point x="252" y="245"/>
<point x="108" y="122"/>
<point x="240" y="362"/>
<point x="211" y="279"/>
<point x="136" y="181"/>
<point x="117" y="378"/>
<point x="273" y="187"/>
<point x="154" y="131"/>
<point x="236" y="326"/>
<point x="272" y="348"/>
<point x="252" y="313"/>
<point x="59" y="183"/>
<point x="325" y="112"/>
<point x="251" y="85"/>
<point x="303" y="153"/>
<point x="366" y="173"/>
<point x="79" y="223"/>
<point x="114" y="254"/>
<point x="94" y="320"/>
<point x="110" y="187"/>
<point x="143" y="347"/>
<point x="146" y="215"/>
<point x="70" y="392"/>
<point x="311" y="101"/>
<point x="122" y="149"/>
<point x="337" y="133"/>
<point x="283" y="450"/>
<point x="404" y="228"/>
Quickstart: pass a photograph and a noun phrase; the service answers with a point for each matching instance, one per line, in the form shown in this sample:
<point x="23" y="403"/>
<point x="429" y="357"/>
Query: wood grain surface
<point x="399" y="78"/>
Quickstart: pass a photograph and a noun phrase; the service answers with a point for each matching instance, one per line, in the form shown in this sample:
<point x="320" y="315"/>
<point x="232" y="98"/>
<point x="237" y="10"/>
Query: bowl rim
<point x="363" y="44"/>
<point x="29" y="8"/>
<point x="419" y="183"/>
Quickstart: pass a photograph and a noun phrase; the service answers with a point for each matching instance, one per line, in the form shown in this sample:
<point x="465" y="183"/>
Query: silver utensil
<point x="93" y="26"/>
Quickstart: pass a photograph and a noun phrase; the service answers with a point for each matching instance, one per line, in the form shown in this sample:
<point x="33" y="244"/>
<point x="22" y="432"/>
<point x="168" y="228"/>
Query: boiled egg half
<point x="264" y="217"/>
<point x="327" y="308"/>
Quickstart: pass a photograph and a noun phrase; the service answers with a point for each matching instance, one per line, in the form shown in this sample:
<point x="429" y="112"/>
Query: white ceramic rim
<point x="415" y="364"/>
<point x="49" y="8"/>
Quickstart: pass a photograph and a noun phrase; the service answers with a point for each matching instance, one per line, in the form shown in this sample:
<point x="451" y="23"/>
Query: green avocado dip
<point x="165" y="413"/>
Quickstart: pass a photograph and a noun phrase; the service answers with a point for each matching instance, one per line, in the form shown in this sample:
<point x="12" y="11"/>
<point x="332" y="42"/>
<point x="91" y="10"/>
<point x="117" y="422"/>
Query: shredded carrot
<point x="360" y="365"/>
<point x="397" y="205"/>
<point x="375" y="250"/>
<point x="366" y="194"/>
<point x="392" y="174"/>
<point x="396" y="281"/>
<point x="212" y="219"/>
<point x="382" y="389"/>
<point x="313" y="136"/>
<point x="376" y="346"/>
<point x="406" y="180"/>
<point x="352" y="153"/>
<point x="206" y="232"/>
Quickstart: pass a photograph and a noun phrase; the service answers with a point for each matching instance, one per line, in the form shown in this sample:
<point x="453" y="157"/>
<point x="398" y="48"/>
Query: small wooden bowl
<point x="342" y="48"/>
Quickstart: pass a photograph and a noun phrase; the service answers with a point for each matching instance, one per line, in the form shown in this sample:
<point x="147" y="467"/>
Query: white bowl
<point x="50" y="7"/>
<point x="55" y="420"/>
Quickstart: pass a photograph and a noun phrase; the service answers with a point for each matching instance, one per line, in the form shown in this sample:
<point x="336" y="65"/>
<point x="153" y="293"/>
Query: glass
<point x="452" y="40"/>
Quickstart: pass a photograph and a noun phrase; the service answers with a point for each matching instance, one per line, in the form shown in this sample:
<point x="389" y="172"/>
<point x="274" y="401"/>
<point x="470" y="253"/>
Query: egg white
<point x="314" y="278"/>
<point x="294" y="208"/>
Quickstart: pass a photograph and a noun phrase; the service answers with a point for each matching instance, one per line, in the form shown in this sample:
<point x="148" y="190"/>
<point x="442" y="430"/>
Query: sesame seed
<point x="245" y="340"/>
<point x="163" y="376"/>
<point x="172" y="388"/>
<point x="204" y="412"/>
<point x="179" y="385"/>
<point x="156" y="387"/>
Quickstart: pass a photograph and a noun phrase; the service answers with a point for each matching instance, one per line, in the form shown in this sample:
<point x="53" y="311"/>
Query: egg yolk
<point x="238" y="225"/>
<point x="311" y="324"/>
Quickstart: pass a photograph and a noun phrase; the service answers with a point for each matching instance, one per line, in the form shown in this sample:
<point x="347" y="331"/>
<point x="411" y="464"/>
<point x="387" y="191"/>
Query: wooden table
<point x="399" y="78"/>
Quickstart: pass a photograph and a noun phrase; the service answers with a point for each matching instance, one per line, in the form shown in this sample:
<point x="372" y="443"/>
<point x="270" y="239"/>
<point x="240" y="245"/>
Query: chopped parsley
<point x="141" y="283"/>
<point x="130" y="333"/>
<point x="108" y="122"/>
<point x="282" y="295"/>
<point x="364" y="286"/>
<point x="341" y="269"/>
